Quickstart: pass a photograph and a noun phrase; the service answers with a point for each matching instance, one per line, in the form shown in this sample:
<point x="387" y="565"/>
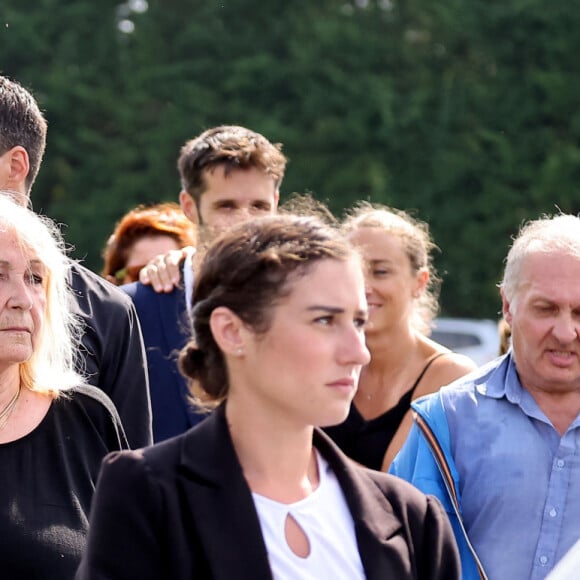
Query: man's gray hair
<point x="558" y="234"/>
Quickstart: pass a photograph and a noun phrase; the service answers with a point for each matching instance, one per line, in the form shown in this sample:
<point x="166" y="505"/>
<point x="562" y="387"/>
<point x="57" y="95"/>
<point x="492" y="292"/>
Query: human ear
<point x="421" y="282"/>
<point x="188" y="206"/>
<point x="227" y="330"/>
<point x="276" y="200"/>
<point x="16" y="166"/>
<point x="506" y="307"/>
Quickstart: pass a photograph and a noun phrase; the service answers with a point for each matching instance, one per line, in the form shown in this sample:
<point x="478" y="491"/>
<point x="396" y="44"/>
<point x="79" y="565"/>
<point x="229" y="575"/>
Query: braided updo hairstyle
<point x="248" y="270"/>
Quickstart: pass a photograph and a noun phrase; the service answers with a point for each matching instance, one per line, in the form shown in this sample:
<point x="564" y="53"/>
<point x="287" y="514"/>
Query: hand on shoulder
<point x="163" y="273"/>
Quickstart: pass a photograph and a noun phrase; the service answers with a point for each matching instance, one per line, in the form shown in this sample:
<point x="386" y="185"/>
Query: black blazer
<point x="182" y="509"/>
<point x="112" y="356"/>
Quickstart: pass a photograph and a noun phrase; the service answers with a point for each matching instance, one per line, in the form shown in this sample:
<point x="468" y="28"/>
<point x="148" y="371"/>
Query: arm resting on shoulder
<point x="163" y="272"/>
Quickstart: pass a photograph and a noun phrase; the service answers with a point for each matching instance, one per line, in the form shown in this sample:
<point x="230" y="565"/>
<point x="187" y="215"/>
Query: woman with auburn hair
<point x="401" y="290"/>
<point x="142" y="234"/>
<point x="54" y="430"/>
<point x="256" y="490"/>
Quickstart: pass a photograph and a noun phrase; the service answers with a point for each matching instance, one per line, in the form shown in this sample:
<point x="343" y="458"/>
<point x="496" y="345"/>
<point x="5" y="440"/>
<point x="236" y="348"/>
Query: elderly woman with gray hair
<point x="54" y="429"/>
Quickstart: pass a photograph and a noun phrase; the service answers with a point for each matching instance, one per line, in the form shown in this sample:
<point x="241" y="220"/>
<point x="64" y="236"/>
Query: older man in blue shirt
<point x="501" y="447"/>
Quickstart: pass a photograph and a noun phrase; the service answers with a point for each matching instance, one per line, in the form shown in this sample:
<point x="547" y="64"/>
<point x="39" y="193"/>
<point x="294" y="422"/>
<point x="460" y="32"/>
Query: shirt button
<point x="560" y="463"/>
<point x="543" y="560"/>
<point x="553" y="513"/>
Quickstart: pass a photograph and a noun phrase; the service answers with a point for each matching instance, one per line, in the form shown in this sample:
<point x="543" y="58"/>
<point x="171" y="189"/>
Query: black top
<point x="367" y="441"/>
<point x="47" y="480"/>
<point x="113" y="355"/>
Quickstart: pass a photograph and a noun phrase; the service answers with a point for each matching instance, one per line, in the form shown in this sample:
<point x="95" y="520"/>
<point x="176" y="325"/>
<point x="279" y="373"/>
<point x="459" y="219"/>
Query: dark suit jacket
<point x="182" y="509"/>
<point x="112" y="356"/>
<point x="165" y="330"/>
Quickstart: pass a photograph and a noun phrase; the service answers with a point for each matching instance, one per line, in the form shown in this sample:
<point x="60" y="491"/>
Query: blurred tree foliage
<point x="464" y="111"/>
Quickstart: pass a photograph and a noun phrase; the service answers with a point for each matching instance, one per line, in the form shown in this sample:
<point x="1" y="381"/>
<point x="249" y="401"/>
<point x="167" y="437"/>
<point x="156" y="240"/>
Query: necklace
<point x="7" y="411"/>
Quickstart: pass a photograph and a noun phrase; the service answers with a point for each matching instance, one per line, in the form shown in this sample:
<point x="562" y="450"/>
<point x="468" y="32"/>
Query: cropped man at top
<point x="257" y="491"/>
<point x="112" y="356"/>
<point x="54" y="429"/>
<point x="500" y="447"/>
<point x="405" y="364"/>
<point x="229" y="174"/>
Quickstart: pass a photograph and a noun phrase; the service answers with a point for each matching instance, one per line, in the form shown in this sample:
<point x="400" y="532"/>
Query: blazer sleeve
<point x="439" y="557"/>
<point x="125" y="533"/>
<point x="113" y="351"/>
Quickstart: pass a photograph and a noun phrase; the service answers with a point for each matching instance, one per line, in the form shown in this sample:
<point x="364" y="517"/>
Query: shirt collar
<point x="504" y="381"/>
<point x="499" y="379"/>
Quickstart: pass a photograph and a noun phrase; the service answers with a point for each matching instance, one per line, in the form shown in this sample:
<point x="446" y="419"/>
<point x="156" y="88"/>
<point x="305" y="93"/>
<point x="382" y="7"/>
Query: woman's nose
<point x="20" y="296"/>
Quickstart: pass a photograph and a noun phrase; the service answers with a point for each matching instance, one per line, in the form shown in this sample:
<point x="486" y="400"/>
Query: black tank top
<point x="367" y="441"/>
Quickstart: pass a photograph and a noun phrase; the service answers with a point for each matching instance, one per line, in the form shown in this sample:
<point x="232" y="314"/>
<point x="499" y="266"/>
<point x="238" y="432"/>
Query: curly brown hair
<point x="231" y="147"/>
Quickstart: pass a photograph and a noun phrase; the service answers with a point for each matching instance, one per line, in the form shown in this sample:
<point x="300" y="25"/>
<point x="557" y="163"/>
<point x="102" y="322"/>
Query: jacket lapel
<point x="220" y="498"/>
<point x="378" y="530"/>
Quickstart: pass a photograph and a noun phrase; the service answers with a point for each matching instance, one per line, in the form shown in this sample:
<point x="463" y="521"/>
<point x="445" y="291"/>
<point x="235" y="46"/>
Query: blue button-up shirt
<point x="520" y="481"/>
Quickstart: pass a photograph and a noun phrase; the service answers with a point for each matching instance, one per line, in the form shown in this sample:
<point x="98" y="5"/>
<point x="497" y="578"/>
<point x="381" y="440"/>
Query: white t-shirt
<point x="326" y="520"/>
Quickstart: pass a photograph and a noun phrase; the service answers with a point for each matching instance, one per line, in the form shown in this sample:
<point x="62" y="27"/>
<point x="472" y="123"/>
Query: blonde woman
<point x="401" y="291"/>
<point x="54" y="430"/>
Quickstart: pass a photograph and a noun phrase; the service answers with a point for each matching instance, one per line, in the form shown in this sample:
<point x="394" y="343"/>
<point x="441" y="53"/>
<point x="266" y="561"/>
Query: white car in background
<point x="477" y="339"/>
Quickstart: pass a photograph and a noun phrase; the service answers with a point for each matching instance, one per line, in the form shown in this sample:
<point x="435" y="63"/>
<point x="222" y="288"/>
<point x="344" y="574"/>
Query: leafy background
<point x="463" y="111"/>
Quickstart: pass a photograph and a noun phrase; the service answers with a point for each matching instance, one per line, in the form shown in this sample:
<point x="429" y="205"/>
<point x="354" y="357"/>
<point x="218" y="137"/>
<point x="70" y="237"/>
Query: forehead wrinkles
<point x="554" y="277"/>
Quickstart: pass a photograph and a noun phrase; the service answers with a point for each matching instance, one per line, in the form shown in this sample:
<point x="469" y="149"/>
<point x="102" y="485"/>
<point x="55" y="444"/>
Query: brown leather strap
<point x="445" y="471"/>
